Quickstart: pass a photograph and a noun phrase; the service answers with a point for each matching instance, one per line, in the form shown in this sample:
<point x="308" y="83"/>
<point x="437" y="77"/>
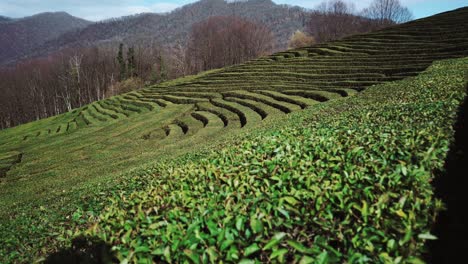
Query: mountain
<point x="5" y="19"/>
<point x="21" y="36"/>
<point x="168" y="29"/>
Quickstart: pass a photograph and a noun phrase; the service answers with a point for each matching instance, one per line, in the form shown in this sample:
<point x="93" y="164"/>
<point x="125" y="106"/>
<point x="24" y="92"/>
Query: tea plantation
<point x="316" y="155"/>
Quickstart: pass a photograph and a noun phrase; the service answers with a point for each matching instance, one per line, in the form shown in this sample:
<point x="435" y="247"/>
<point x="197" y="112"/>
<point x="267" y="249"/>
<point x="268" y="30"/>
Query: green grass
<point x="156" y="140"/>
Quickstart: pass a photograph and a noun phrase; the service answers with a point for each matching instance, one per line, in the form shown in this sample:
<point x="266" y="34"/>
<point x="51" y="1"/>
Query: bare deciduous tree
<point x="336" y="7"/>
<point x="332" y="20"/>
<point x="220" y="41"/>
<point x="387" y="12"/>
<point x="335" y="19"/>
<point x="179" y="59"/>
<point x="68" y="79"/>
<point x="299" y="39"/>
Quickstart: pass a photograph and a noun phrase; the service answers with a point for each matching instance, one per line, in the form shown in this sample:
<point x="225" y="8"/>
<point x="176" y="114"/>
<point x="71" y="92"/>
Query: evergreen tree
<point x="131" y="62"/>
<point x="163" y="70"/>
<point x="155" y="74"/>
<point x="121" y="61"/>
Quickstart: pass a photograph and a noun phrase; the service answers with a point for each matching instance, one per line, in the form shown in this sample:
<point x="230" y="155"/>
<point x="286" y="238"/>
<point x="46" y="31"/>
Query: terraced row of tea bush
<point x="292" y="80"/>
<point x="347" y="182"/>
<point x="8" y="160"/>
<point x="49" y="165"/>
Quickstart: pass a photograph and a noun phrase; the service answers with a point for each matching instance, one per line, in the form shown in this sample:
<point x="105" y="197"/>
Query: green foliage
<point x="160" y="72"/>
<point x="348" y="179"/>
<point x="162" y="69"/>
<point x="122" y="64"/>
<point x="344" y="182"/>
<point x="131" y="65"/>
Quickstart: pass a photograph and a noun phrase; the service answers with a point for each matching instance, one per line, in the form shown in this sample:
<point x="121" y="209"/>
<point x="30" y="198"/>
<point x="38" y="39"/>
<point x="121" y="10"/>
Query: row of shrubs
<point x="346" y="181"/>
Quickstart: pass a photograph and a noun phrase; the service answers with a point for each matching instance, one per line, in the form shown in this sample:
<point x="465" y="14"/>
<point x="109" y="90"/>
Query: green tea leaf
<point x="291" y="200"/>
<point x="251" y="249"/>
<point x="274" y="241"/>
<point x="427" y="236"/>
<point x="278" y="253"/>
<point x="256" y="225"/>
<point x="322" y="258"/>
<point x="299" y="247"/>
<point x="192" y="255"/>
<point x="306" y="260"/>
<point x="167" y="254"/>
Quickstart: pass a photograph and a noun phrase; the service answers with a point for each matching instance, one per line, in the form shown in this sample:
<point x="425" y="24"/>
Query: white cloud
<point x="310" y="4"/>
<point x="358" y="3"/>
<point x="87" y="9"/>
<point x="411" y="2"/>
<point x="99" y="13"/>
<point x="102" y="9"/>
<point x="164" y="7"/>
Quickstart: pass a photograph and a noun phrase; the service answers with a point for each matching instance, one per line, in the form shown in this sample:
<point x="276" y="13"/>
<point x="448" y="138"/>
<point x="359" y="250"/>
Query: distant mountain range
<point x="20" y="37"/>
<point x="5" y="19"/>
<point x="45" y="33"/>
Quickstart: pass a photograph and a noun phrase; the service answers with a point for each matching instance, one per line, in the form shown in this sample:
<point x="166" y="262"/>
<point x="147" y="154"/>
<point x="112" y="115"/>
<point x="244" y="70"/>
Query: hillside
<point x="174" y="27"/>
<point x="322" y="153"/>
<point x="5" y="19"/>
<point x="22" y="36"/>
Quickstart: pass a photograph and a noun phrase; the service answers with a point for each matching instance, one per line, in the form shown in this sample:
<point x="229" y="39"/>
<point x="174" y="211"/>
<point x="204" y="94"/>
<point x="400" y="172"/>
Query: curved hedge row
<point x="346" y="181"/>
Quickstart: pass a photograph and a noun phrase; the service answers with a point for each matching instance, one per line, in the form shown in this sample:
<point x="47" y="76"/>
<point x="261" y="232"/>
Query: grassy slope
<point x="348" y="180"/>
<point x="57" y="164"/>
<point x="344" y="181"/>
<point x="78" y="150"/>
<point x="67" y="171"/>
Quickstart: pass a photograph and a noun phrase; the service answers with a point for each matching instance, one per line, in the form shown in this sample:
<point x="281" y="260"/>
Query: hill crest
<point x="20" y="36"/>
<point x="169" y="28"/>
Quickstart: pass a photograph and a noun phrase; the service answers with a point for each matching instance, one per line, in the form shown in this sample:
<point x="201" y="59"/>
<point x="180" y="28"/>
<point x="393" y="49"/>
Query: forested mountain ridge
<point x="119" y="55"/>
<point x="21" y="36"/>
<point x="174" y="27"/>
<point x="4" y="19"/>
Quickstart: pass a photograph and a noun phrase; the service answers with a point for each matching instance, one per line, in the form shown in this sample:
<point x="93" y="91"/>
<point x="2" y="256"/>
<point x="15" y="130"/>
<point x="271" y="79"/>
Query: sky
<point x="103" y="9"/>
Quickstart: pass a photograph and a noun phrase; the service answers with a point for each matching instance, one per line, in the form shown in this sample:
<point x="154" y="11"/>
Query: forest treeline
<point x="73" y="77"/>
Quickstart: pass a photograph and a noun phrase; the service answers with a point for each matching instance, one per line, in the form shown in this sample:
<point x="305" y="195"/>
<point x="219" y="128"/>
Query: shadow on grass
<point x="452" y="187"/>
<point x="84" y="250"/>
